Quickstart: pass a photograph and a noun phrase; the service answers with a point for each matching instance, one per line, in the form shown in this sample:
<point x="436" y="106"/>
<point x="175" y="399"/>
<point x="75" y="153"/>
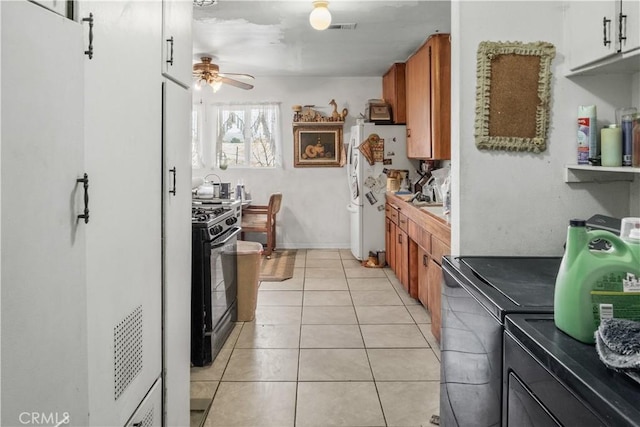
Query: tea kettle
<point x="206" y="189"/>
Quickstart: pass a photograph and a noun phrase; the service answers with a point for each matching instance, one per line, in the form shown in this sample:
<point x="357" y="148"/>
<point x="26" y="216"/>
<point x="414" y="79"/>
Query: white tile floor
<point x="336" y="345"/>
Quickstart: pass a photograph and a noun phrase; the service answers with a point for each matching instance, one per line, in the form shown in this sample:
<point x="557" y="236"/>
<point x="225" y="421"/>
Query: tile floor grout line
<point x="295" y="400"/>
<point x="366" y="350"/>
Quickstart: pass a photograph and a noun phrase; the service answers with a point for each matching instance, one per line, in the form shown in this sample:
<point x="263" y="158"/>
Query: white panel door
<point x="177" y="58"/>
<point x="176" y="194"/>
<point x="44" y="336"/>
<point x="123" y="113"/>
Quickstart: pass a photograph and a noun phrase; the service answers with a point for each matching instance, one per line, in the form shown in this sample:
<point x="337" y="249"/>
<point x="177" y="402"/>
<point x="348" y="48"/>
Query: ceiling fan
<point x="207" y="73"/>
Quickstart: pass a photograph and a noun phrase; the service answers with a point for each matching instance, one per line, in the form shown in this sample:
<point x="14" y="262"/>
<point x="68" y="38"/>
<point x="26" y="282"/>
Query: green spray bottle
<point x="595" y="284"/>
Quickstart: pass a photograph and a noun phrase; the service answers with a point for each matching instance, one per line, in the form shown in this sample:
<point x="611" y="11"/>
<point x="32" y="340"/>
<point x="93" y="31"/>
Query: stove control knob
<point x="232" y="220"/>
<point x="215" y="229"/>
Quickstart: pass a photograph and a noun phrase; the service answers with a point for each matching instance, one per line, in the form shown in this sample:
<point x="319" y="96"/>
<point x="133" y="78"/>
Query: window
<point x="197" y="160"/>
<point x="240" y="135"/>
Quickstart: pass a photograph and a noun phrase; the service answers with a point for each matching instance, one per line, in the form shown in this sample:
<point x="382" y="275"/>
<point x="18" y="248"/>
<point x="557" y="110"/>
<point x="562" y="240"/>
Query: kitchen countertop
<point x="231" y="203"/>
<point x="430" y="217"/>
<point x="613" y="395"/>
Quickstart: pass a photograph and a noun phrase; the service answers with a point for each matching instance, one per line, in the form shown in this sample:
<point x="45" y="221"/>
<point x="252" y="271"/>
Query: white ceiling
<point x="274" y="38"/>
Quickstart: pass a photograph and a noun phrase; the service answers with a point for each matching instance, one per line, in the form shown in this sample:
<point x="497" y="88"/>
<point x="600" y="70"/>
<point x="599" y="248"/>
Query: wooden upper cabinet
<point x="394" y="92"/>
<point x="428" y="86"/>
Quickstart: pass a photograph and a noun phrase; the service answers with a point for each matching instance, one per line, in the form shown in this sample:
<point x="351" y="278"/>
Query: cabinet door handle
<point x="606" y="39"/>
<point x="89" y="51"/>
<point x="408" y="133"/>
<point x="425" y="260"/>
<point x="170" y="60"/>
<point x="622" y="35"/>
<point x="85" y="214"/>
<point x="173" y="172"/>
<point x="400" y="238"/>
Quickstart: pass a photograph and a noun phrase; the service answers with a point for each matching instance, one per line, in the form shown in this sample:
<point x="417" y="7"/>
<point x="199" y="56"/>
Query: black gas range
<point x="214" y="218"/>
<point x="214" y="230"/>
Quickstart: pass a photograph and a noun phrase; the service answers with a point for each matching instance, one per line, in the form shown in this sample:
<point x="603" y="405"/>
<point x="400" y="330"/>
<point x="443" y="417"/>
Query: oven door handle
<point x="236" y="230"/>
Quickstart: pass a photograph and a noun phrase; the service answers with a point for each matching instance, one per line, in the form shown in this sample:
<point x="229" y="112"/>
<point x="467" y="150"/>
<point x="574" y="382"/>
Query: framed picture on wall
<point x="317" y="145"/>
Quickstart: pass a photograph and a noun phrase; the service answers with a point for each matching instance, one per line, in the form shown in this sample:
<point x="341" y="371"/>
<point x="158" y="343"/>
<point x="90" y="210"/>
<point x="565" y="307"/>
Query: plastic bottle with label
<point x="593" y="284"/>
<point x="611" y="146"/>
<point x="635" y="150"/>
<point x="588" y="149"/>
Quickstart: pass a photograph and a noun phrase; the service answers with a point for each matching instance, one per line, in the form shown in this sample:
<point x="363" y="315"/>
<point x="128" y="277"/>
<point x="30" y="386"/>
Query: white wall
<point x="314" y="201"/>
<point x="517" y="203"/>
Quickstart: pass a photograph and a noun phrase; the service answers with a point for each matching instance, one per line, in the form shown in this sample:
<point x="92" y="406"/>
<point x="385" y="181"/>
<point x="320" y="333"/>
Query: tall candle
<point x="611" y="146"/>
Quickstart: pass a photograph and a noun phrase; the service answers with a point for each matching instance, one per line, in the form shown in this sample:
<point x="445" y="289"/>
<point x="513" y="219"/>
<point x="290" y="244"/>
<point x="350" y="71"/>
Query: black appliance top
<point x="507" y="284"/>
<point x="613" y="395"/>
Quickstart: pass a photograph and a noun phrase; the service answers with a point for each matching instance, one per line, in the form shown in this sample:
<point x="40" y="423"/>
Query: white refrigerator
<point x="368" y="183"/>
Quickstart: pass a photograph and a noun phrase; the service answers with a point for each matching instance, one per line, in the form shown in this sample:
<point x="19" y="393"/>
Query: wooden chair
<point x="262" y="219"/>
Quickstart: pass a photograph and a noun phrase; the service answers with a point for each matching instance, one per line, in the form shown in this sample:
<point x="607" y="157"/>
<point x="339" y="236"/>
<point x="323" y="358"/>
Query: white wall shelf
<point x="588" y="173"/>
<point x="621" y="63"/>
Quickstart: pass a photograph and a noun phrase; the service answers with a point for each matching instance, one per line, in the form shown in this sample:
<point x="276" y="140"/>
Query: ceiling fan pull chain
<point x="170" y="60"/>
<point x="89" y="50"/>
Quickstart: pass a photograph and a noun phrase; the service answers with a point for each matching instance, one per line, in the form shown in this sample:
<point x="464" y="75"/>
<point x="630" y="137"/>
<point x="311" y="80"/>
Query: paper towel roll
<point x="205" y="192"/>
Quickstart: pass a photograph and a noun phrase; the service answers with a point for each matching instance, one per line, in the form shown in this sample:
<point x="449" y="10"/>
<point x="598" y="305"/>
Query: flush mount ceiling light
<point x="320" y="17"/>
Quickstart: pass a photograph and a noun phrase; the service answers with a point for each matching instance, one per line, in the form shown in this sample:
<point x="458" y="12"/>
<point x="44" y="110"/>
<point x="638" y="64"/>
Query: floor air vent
<point x="147" y="421"/>
<point x="127" y="349"/>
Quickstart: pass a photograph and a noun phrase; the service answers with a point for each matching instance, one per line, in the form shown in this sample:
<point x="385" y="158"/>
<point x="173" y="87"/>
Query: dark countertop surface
<point x="614" y="396"/>
<point x="507" y="284"/>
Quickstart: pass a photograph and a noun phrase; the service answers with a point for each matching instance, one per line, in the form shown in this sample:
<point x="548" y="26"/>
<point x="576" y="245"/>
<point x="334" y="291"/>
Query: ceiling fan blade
<point x="235" y="83"/>
<point x="248" y="76"/>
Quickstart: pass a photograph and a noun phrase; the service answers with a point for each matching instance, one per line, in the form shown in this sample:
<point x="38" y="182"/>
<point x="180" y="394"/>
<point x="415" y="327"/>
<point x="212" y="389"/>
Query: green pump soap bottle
<point x="593" y="285"/>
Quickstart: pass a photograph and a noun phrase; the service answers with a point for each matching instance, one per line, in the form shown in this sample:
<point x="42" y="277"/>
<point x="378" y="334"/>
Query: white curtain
<point x="241" y="135"/>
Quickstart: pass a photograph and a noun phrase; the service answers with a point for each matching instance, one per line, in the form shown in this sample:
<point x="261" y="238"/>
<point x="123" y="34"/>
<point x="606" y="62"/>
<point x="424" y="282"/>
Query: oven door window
<point x="223" y="278"/>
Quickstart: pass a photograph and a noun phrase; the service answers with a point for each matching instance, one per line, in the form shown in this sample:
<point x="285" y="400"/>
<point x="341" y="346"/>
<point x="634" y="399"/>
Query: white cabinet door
<point x="176" y="194"/>
<point x="57" y="6"/>
<point x="177" y="45"/>
<point x="44" y="336"/>
<point x="591" y="31"/>
<point x="630" y="25"/>
<point x="123" y="155"/>
<point x="149" y="413"/>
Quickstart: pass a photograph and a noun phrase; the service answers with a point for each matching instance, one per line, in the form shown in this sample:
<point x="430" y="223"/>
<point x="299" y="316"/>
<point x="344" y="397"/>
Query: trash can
<point x="249" y="260"/>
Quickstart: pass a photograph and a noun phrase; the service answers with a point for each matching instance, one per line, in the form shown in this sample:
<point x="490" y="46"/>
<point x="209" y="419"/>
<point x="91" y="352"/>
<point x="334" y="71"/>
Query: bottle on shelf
<point x="635" y="150"/>
<point x="611" y="146"/>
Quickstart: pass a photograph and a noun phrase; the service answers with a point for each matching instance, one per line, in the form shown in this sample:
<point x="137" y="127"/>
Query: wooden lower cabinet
<point x="415" y="244"/>
<point x="434" y="279"/>
<point x="422" y="268"/>
<point x="390" y="243"/>
<point x="402" y="257"/>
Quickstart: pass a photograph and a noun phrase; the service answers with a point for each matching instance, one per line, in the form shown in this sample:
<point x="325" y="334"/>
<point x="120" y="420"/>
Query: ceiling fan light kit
<point x="207" y="73"/>
<point x="320" y="17"/>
